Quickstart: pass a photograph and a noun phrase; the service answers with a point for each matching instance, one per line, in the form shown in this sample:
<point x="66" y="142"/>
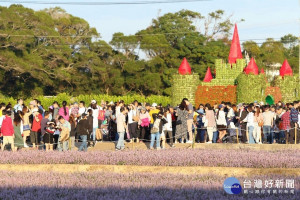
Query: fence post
<point x="237" y="135"/>
<point x="247" y="134"/>
<point x="295" y="133"/>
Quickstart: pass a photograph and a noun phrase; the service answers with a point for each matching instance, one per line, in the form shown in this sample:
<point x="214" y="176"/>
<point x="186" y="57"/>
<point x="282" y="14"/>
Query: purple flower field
<point x="87" y="185"/>
<point x="172" y="157"/>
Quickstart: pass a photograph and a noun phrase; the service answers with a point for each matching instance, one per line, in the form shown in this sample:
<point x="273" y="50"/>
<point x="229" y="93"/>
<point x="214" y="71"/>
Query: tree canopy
<point x="50" y="51"/>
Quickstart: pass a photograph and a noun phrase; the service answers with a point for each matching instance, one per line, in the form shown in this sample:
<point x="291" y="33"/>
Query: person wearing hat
<point x="153" y="110"/>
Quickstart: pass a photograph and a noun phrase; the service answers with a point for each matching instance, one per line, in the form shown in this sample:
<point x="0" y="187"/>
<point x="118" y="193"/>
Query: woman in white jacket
<point x="167" y="129"/>
<point x="250" y="124"/>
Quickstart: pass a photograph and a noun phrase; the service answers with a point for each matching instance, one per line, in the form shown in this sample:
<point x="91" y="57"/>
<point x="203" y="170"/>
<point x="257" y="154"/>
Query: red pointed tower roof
<point x="208" y="77"/>
<point x="235" y="49"/>
<point x="262" y="71"/>
<point x="251" y="68"/>
<point x="184" y="67"/>
<point x="286" y="69"/>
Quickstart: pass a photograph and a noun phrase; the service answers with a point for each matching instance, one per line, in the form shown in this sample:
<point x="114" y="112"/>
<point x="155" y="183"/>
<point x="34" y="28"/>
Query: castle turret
<point x="184" y="84"/>
<point x="286" y="69"/>
<point x="235" y="49"/>
<point x="208" y="77"/>
<point x="251" y="68"/>
<point x="184" y="68"/>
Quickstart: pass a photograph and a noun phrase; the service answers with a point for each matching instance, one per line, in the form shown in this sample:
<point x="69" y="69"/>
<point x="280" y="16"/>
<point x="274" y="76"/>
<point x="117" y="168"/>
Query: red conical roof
<point x="286" y="69"/>
<point x="208" y="77"/>
<point x="251" y="68"/>
<point x="184" y="67"/>
<point x="235" y="49"/>
<point x="262" y="71"/>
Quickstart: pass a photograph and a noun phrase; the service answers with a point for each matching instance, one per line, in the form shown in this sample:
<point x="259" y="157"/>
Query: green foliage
<point x="251" y="88"/>
<point x="73" y="60"/>
<point x="47" y="101"/>
<point x="289" y="87"/>
<point x="184" y="86"/>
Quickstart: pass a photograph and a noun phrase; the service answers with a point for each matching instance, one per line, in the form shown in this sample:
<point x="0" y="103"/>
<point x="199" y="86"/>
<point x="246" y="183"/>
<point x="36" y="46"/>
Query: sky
<point x="263" y="18"/>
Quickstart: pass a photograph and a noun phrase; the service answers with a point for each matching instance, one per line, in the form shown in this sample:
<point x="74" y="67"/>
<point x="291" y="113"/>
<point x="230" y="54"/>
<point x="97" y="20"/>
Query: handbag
<point x="154" y="130"/>
<point x="26" y="127"/>
<point x="178" y="122"/>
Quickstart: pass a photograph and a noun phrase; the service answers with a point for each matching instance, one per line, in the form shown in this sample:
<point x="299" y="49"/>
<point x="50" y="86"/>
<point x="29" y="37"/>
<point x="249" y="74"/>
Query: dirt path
<point x="222" y="171"/>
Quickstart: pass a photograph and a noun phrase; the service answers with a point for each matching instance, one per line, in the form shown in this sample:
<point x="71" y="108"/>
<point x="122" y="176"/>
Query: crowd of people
<point x="60" y="127"/>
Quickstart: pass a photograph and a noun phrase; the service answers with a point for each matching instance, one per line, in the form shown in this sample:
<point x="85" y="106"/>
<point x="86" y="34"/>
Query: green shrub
<point x="47" y="101"/>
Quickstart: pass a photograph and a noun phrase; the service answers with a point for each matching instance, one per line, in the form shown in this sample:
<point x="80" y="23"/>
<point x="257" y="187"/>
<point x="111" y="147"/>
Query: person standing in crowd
<point x="133" y="124"/>
<point x="18" y="129"/>
<point x="95" y="108"/>
<point x="72" y="132"/>
<point x="181" y="123"/>
<point x="121" y="127"/>
<point x="250" y="124"/>
<point x="48" y="137"/>
<point x="156" y="130"/>
<point x="44" y="123"/>
<point x="2" y="107"/>
<point x="19" y="106"/>
<point x="210" y="122"/>
<point x="268" y="123"/>
<point x="243" y="125"/>
<point x="83" y="131"/>
<point x="190" y="118"/>
<point x="26" y="125"/>
<point x="101" y="122"/>
<point x="119" y="106"/>
<point x="221" y="123"/>
<point x="55" y="110"/>
<point x="82" y="109"/>
<point x="65" y="127"/>
<point x="144" y="123"/>
<point x="286" y="126"/>
<point x="153" y="110"/>
<point x="167" y="128"/>
<point x="174" y="119"/>
<point x="64" y="111"/>
<point x="74" y="110"/>
<point x="7" y="131"/>
<point x="90" y="120"/>
<point x="258" y="123"/>
<point x="36" y="128"/>
<point x="294" y="120"/>
<point x="200" y="138"/>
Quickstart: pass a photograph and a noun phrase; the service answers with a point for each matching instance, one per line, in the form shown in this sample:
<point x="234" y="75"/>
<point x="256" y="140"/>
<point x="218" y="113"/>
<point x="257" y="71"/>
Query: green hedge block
<point x="251" y="88"/>
<point x="184" y="86"/>
<point x="289" y="87"/>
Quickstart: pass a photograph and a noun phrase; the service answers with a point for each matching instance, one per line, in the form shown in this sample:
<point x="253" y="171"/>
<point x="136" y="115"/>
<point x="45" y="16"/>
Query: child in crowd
<point x="48" y="136"/>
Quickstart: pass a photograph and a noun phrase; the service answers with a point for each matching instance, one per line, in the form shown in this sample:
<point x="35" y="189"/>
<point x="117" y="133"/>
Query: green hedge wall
<point x="184" y="86"/>
<point x="47" y="101"/>
<point x="289" y="86"/>
<point x="251" y="88"/>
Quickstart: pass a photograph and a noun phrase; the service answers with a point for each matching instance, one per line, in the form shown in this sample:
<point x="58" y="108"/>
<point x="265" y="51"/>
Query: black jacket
<point x="82" y="127"/>
<point x="73" y="129"/>
<point x="90" y="123"/>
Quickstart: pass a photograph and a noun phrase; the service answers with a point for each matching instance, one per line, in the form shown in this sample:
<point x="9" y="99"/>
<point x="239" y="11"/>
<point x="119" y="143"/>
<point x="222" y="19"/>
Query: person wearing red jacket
<point x="7" y="130"/>
<point x="36" y="127"/>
